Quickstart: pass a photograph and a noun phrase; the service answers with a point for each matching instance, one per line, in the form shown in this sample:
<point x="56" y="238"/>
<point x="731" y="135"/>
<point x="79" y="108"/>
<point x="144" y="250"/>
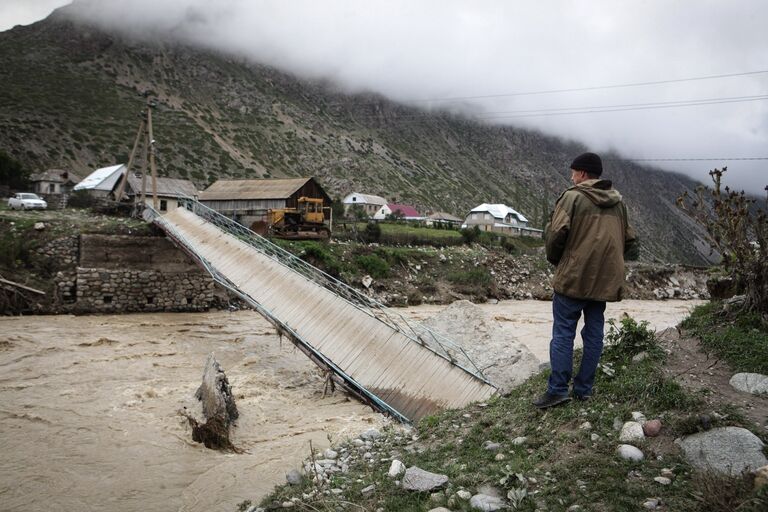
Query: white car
<point x="27" y="201"/>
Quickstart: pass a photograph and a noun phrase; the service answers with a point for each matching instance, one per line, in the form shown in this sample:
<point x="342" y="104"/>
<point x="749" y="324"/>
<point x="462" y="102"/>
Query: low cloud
<point x="483" y="52"/>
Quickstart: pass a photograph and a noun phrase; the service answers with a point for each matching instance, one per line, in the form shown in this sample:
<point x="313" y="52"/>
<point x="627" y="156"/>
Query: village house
<point x="369" y="204"/>
<point x="405" y="211"/>
<point x="169" y="191"/>
<point x="54" y="182"/>
<point x="101" y="181"/>
<point x="500" y="218"/>
<point x="443" y="218"/>
<point x="247" y="201"/>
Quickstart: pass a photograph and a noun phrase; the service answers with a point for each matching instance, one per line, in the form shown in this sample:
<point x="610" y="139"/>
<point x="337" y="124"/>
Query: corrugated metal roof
<point x="101" y="179"/>
<point x="408" y="211"/>
<point x="444" y="216"/>
<point x="226" y="190"/>
<point x="169" y="187"/>
<point x="499" y="211"/>
<point x="364" y="198"/>
<point x="55" y="176"/>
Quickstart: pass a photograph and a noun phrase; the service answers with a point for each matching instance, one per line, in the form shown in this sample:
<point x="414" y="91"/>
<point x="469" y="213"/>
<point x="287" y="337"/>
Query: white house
<point x="101" y="181"/>
<point x="370" y="204"/>
<point x="500" y="218"/>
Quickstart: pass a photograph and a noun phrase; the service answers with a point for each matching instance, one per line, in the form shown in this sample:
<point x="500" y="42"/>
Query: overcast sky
<point x="412" y="50"/>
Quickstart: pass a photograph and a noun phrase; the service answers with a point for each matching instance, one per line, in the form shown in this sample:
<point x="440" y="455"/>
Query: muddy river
<point x="89" y="406"/>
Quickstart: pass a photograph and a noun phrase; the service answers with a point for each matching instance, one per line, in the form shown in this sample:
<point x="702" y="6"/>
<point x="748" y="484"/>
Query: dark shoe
<point x="546" y="400"/>
<point x="582" y="398"/>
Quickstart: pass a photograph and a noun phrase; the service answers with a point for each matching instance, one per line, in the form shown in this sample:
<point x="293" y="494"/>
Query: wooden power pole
<point x="148" y="146"/>
<point x="151" y="144"/>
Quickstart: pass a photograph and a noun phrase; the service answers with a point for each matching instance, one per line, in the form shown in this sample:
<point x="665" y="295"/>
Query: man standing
<point x="588" y="238"/>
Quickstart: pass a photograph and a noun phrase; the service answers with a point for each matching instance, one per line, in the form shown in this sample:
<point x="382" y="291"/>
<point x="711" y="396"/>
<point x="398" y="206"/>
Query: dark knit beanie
<point x="588" y="162"/>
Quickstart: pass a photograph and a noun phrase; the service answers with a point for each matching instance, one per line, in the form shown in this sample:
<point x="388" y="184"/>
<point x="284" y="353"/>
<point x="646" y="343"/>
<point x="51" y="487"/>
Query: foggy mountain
<point x="72" y="94"/>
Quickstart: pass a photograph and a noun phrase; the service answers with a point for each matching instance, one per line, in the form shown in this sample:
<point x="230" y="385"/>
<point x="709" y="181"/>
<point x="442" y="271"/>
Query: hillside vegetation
<point x="72" y="93"/>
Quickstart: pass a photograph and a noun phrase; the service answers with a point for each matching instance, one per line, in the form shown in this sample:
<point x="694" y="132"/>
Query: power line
<point x="650" y="106"/>
<point x="592" y="88"/>
<point x="560" y="111"/>
<point x="685" y="159"/>
<point x="634" y="105"/>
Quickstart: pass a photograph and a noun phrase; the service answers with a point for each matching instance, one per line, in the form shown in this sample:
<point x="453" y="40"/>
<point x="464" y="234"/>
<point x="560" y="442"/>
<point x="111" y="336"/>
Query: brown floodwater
<point x="89" y="405"/>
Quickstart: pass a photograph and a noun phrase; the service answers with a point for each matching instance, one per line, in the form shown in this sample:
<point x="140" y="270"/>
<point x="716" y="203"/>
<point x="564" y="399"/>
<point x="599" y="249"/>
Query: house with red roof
<point x="407" y="212"/>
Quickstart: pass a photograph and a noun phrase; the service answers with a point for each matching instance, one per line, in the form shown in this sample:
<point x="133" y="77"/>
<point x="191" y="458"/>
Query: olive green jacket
<point x="588" y="238"/>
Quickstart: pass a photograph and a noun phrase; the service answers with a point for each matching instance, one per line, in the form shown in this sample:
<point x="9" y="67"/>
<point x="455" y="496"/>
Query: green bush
<point x="629" y="340"/>
<point x="373" y="265"/>
<point x="12" y="173"/>
<point x="738" y="229"/>
<point x="470" y="235"/>
<point x="393" y="256"/>
<point x="372" y="233"/>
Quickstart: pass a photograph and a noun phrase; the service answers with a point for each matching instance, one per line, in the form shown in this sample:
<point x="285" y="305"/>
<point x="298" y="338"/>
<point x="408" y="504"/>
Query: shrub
<point x="12" y="173"/>
<point x="373" y="265"/>
<point x="631" y="339"/>
<point x="393" y="256"/>
<point x="317" y="255"/>
<point x="739" y="231"/>
<point x="470" y="235"/>
<point x="372" y="233"/>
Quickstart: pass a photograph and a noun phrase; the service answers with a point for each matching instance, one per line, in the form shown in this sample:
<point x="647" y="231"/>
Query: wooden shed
<point x="247" y="201"/>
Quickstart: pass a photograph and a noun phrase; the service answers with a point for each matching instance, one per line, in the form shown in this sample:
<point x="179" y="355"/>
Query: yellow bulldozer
<point x="306" y="222"/>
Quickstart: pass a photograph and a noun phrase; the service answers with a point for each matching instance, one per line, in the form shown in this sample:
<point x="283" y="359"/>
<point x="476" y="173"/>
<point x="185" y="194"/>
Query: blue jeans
<point x="566" y="313"/>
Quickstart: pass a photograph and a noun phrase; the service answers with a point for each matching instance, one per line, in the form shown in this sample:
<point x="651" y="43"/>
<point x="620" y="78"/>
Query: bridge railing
<point x="414" y="331"/>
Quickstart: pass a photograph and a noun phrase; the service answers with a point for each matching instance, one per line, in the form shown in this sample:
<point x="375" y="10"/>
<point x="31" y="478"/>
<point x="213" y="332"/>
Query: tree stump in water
<point x="219" y="409"/>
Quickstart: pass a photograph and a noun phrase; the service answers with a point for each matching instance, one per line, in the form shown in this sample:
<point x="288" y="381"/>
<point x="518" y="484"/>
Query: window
<point x="163" y="205"/>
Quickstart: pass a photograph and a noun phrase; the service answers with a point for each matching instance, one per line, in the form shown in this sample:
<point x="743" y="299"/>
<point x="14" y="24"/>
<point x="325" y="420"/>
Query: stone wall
<point x="59" y="254"/>
<point x="117" y="291"/>
<point x="121" y="274"/>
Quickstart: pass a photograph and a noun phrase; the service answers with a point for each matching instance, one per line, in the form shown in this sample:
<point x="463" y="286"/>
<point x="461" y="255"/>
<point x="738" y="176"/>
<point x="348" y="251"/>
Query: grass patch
<point x="373" y="265"/>
<point x="392" y="233"/>
<point x="740" y="339"/>
<point x="475" y="277"/>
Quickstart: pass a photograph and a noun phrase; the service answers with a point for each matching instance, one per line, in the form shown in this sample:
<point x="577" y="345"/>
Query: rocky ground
<point x="442" y="276"/>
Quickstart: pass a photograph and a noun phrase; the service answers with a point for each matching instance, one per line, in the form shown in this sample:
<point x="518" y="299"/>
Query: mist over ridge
<point x="420" y="53"/>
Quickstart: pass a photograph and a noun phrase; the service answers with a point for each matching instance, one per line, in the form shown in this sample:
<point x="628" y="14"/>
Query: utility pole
<point x="121" y="188"/>
<point x="148" y="152"/>
<point x="151" y="142"/>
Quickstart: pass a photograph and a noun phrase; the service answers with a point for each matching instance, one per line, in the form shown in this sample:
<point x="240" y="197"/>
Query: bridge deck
<point x="409" y="378"/>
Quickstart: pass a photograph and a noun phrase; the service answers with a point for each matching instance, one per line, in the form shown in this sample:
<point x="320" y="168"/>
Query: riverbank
<point x="92" y="263"/>
<point x="90" y="405"/>
<point x="664" y="431"/>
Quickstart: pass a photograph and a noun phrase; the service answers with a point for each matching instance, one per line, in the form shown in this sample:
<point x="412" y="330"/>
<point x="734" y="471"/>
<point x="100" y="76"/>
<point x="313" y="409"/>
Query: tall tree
<point x="12" y="173"/>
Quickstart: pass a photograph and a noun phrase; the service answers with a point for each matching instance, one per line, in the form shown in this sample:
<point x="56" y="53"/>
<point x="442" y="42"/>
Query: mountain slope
<point x="71" y="98"/>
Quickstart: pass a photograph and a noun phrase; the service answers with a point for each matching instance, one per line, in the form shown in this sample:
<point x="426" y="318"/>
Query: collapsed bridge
<point x="399" y="367"/>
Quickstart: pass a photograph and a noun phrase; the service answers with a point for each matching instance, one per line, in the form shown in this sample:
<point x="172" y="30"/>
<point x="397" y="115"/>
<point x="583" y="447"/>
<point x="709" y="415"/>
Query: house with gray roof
<point x="169" y="190"/>
<point x="368" y="203"/>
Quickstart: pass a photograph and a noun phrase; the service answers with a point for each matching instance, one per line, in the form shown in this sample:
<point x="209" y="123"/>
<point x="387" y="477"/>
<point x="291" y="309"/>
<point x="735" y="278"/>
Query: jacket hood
<point x="600" y="192"/>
